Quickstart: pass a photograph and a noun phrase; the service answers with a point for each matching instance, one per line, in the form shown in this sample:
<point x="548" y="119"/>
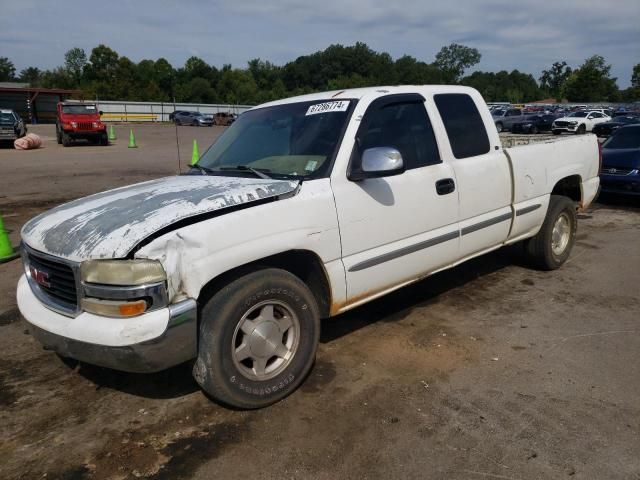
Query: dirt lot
<point x="487" y="371"/>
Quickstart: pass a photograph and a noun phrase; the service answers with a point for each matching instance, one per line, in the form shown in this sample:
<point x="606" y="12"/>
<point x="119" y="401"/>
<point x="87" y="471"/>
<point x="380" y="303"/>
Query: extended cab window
<point x="463" y="123"/>
<point x="403" y="125"/>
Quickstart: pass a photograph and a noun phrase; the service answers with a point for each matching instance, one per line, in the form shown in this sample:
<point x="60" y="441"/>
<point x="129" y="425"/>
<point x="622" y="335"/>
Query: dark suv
<point x="11" y="125"/>
<point x="224" y="118"/>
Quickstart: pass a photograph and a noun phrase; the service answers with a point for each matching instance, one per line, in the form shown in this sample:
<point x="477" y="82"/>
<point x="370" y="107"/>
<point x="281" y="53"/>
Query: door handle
<point x="445" y="186"/>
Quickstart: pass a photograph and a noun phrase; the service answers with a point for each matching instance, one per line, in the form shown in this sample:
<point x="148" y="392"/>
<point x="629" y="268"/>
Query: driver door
<point x="397" y="228"/>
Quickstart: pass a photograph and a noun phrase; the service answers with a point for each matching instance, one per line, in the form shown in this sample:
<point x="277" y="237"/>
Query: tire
<point x="533" y="130"/>
<point x="58" y="137"/>
<point x="552" y="245"/>
<point x="557" y="132"/>
<point x="104" y="139"/>
<point x="237" y="365"/>
<point x="499" y="127"/>
<point x="581" y="130"/>
<point x="66" y="139"/>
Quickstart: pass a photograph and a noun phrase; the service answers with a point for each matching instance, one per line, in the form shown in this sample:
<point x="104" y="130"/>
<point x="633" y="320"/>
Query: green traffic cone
<point x="112" y="133"/>
<point x="6" y="250"/>
<point x="195" y="156"/>
<point x="132" y="140"/>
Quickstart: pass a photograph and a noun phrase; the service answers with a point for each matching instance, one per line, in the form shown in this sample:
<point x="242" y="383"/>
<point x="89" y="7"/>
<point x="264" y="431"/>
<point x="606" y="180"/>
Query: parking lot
<point x="487" y="371"/>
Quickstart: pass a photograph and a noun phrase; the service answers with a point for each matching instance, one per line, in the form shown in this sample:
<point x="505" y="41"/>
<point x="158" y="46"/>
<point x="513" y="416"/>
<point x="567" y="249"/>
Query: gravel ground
<point x="486" y="371"/>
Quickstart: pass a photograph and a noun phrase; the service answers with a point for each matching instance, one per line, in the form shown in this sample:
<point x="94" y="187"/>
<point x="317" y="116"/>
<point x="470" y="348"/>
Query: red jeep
<point x="80" y="121"/>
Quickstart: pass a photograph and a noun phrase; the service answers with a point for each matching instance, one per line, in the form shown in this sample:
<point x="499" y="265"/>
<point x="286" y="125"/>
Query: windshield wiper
<point x="260" y="173"/>
<point x="203" y="170"/>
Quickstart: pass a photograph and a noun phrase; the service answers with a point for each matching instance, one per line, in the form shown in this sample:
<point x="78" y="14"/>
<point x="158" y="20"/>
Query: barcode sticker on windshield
<point x="340" y="106"/>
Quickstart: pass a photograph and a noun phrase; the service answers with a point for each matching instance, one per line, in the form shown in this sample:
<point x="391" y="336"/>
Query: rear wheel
<point x="533" y="129"/>
<point x="499" y="127"/>
<point x="552" y="245"/>
<point x="258" y="339"/>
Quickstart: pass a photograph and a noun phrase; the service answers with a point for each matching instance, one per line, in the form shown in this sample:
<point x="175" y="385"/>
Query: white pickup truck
<point x="303" y="209"/>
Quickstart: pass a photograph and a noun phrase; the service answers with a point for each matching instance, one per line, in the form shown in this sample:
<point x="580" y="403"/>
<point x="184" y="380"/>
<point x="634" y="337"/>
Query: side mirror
<point x="378" y="162"/>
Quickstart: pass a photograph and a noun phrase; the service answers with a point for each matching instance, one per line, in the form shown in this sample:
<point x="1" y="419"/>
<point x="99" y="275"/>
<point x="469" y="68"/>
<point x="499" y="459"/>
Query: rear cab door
<point x="481" y="169"/>
<point x="398" y="228"/>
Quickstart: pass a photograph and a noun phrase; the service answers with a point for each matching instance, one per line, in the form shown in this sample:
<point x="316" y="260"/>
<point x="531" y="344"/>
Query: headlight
<point x="74" y="124"/>
<point x="122" y="272"/>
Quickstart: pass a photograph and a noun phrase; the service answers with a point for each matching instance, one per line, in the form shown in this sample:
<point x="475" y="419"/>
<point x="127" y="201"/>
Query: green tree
<point x="592" y="82"/>
<point x="555" y="78"/>
<point x="455" y="59"/>
<point x="7" y="70"/>
<point x="74" y="61"/>
<point x="635" y="76"/>
<point x="31" y="75"/>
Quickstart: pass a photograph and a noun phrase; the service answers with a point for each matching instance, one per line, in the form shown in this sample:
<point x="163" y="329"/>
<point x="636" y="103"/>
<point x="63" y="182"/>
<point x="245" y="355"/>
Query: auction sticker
<point x="340" y="106"/>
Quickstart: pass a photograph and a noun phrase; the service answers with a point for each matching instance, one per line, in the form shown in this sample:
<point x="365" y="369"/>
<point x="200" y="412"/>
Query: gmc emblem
<point x="41" y="278"/>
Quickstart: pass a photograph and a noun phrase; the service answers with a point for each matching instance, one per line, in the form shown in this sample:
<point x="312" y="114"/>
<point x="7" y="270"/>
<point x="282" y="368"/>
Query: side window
<point x="404" y="126"/>
<point x="463" y="123"/>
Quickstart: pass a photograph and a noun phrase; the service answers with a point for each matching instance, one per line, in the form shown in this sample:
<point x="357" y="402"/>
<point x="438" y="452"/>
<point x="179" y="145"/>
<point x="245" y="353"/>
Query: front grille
<point x="617" y="170"/>
<point x="562" y="124"/>
<point x="85" y="126"/>
<point x="56" y="280"/>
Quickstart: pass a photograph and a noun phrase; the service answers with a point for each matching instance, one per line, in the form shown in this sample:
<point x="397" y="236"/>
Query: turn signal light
<point x="114" y="308"/>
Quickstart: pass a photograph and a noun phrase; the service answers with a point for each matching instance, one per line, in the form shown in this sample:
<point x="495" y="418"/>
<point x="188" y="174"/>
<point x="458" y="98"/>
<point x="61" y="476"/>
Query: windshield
<point x="578" y="114"/>
<point x="79" y="109"/>
<point x="6" y="118"/>
<point x="627" y="137"/>
<point x="292" y="140"/>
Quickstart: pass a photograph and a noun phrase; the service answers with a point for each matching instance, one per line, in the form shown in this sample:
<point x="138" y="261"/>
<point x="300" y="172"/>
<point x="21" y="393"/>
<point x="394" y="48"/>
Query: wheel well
<point x="570" y="187"/>
<point x="304" y="264"/>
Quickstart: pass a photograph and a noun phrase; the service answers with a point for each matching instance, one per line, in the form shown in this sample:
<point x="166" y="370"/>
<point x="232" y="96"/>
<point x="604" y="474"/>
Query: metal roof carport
<point x="34" y="105"/>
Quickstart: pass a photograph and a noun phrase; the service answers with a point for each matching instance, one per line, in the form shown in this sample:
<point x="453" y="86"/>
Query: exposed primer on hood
<point x="110" y="224"/>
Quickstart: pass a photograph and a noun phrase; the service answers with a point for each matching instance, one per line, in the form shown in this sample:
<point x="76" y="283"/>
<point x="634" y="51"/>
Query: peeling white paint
<point x="110" y="224"/>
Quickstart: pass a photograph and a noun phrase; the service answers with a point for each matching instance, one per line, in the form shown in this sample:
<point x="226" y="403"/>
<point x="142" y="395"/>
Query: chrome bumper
<point x="176" y="345"/>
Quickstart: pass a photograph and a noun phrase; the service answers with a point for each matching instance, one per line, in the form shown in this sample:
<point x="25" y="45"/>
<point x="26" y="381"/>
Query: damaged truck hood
<point x="112" y="223"/>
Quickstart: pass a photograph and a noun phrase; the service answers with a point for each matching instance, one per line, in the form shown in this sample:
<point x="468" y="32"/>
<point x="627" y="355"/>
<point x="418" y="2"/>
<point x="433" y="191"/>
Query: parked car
<point x="193" y="118"/>
<point x="607" y="128"/>
<point x="173" y="114"/>
<point x="578" y="122"/>
<point x="534" y="124"/>
<point x="224" y="118"/>
<point x="80" y="121"/>
<point x="621" y="161"/>
<point x="11" y="125"/>
<point x="304" y="209"/>
<point x="505" y="118"/>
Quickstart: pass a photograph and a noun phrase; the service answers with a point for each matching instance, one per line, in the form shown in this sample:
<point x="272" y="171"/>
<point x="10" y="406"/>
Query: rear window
<point x="627" y="137"/>
<point x="463" y="123"/>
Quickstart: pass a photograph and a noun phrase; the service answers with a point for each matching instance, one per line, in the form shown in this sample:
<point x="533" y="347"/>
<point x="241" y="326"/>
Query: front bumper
<point x="148" y="343"/>
<point x="84" y="134"/>
<point x="624" y="184"/>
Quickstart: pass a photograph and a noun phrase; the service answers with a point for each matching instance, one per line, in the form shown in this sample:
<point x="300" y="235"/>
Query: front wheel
<point x="551" y="246"/>
<point x="257" y="340"/>
<point x="66" y="139"/>
<point x="557" y="132"/>
<point x="499" y="127"/>
<point x="533" y="130"/>
<point x="582" y="129"/>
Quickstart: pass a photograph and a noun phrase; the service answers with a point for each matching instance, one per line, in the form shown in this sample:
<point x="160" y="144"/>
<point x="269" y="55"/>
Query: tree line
<point x="106" y="75"/>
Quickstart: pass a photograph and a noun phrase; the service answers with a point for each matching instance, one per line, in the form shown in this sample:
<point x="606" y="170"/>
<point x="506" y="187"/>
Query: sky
<point x="521" y="34"/>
